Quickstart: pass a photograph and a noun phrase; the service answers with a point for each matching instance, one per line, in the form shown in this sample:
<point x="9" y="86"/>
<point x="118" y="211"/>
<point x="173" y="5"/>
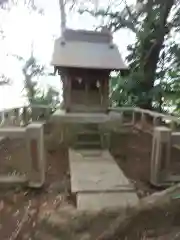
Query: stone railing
<point x="22" y="115"/>
<point x="165" y="137"/>
<point x="145" y="119"/>
<point x="161" y="156"/>
<point x="34" y="160"/>
<point x="25" y="123"/>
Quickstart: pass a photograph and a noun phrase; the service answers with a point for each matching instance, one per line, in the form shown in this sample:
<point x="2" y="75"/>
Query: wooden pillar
<point x="87" y="92"/>
<point x="160" y="155"/>
<point x="67" y="92"/>
<point x="105" y="93"/>
<point x="35" y="155"/>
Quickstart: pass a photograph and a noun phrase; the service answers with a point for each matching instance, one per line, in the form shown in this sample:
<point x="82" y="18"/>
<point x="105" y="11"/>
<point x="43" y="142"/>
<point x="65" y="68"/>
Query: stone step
<point x="90" y="132"/>
<point x="102" y="201"/>
<point x="88" y="145"/>
<point x="89" y="137"/>
<point x="90" y="126"/>
<point x="98" y="181"/>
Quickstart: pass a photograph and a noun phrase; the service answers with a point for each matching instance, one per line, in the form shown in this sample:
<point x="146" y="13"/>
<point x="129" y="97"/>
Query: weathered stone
<point x="35" y="153"/>
<point x="98" y="181"/>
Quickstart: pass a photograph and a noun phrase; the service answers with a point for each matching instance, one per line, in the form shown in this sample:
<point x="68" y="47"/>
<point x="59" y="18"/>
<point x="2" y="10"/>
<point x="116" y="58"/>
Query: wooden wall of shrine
<point x="85" y="90"/>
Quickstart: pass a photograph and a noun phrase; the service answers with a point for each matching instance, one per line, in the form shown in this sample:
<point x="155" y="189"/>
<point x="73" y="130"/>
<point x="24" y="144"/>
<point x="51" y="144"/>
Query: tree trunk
<point x="152" y="46"/>
<point x="62" y="15"/>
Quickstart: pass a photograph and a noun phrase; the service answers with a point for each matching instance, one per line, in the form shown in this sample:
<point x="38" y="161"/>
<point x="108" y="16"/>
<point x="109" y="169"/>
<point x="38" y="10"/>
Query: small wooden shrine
<point x="84" y="60"/>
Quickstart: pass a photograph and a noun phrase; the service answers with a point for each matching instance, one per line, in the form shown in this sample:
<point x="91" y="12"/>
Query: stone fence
<point x="34" y="161"/>
<point x="20" y="123"/>
<point x="22" y="115"/>
<point x="27" y="123"/>
<point x="165" y="133"/>
<point x="147" y="119"/>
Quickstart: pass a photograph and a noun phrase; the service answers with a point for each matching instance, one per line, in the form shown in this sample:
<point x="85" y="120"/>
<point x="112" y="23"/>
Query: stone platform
<point x="98" y="181"/>
<point x="73" y="117"/>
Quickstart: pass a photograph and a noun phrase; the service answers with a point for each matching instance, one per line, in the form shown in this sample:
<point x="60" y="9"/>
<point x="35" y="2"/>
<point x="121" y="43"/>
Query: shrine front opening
<point x="88" y="90"/>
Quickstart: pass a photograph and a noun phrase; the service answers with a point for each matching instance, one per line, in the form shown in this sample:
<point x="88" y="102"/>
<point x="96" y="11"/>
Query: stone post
<point x="47" y="113"/>
<point x="17" y="117"/>
<point x="143" y="120"/>
<point x="122" y="118"/>
<point x="25" y="116"/>
<point x="133" y="117"/>
<point x="156" y="121"/>
<point x="2" y="118"/>
<point x="160" y="155"/>
<point x="9" y="117"/>
<point x="173" y="125"/>
<point x="35" y="155"/>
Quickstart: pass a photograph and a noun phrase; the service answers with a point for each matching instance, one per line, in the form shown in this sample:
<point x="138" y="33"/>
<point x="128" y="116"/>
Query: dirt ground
<point x="12" y="156"/>
<point x="132" y="152"/>
<point x="50" y="213"/>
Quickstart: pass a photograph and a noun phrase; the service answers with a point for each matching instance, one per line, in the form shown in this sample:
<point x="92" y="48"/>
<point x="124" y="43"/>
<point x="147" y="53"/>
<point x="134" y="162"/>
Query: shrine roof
<point x="87" y="49"/>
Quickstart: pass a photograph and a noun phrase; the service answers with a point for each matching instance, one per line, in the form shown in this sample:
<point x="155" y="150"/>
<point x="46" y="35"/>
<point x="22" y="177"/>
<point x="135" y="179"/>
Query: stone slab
<point x="96" y="171"/>
<point x="102" y="201"/>
<point x="98" y="181"/>
<point x="63" y="116"/>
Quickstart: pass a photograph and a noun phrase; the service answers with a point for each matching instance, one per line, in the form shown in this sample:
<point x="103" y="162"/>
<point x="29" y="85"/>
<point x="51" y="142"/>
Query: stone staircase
<point x="89" y="137"/>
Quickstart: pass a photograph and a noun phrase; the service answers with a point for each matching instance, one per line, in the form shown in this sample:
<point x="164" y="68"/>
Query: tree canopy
<point x="153" y="59"/>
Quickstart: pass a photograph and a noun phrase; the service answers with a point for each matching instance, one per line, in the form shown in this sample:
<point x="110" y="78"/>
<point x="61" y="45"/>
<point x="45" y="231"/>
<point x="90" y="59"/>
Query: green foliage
<point x="32" y="70"/>
<point x="49" y="98"/>
<point x="154" y="58"/>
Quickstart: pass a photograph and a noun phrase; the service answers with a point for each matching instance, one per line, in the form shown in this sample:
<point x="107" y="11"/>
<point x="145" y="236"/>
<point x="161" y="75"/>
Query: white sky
<point x="23" y="27"/>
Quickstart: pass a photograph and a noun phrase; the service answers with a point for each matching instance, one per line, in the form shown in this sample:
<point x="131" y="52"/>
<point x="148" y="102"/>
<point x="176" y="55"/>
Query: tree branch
<point x="131" y="15"/>
<point x="156" y="200"/>
<point x="117" y="21"/>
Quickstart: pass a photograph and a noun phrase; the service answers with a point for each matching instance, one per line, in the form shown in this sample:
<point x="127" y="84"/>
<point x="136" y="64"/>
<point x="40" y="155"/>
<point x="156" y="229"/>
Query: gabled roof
<point x="87" y="49"/>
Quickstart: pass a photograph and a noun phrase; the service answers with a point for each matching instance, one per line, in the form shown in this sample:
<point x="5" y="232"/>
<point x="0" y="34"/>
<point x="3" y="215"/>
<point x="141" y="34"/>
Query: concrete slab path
<point x="98" y="181"/>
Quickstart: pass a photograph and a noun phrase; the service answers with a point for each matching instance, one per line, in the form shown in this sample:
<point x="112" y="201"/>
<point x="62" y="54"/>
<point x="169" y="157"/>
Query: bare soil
<point x="132" y="152"/>
<point x="12" y="156"/>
